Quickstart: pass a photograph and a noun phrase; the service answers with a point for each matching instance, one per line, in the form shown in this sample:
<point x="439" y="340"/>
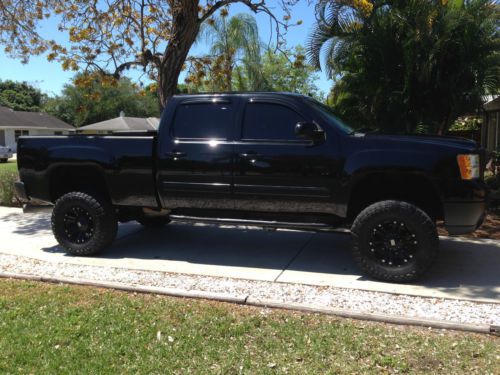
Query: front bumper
<point x="464" y="217"/>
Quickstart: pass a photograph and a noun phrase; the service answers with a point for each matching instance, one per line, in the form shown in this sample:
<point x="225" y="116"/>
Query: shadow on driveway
<point x="28" y="224"/>
<point x="465" y="267"/>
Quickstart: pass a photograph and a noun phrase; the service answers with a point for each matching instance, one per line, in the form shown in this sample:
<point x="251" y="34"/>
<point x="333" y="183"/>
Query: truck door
<point x="195" y="154"/>
<point x="276" y="170"/>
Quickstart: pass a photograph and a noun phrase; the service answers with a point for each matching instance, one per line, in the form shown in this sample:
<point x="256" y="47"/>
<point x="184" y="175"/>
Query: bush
<point x="7" y="197"/>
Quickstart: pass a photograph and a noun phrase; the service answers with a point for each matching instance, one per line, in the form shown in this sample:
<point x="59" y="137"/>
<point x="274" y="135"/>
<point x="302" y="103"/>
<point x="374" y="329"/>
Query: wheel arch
<point x="411" y="187"/>
<point x="84" y="178"/>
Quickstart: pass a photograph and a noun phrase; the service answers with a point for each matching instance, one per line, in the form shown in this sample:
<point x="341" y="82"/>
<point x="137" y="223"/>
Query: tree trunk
<point x="444" y="124"/>
<point x="229" y="74"/>
<point x="185" y="30"/>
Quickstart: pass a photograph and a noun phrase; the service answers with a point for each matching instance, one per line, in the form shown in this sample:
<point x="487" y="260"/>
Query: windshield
<point x="328" y="114"/>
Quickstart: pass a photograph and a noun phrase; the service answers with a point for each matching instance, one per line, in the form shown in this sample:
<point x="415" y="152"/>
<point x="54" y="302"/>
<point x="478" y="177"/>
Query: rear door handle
<point x="176" y="154"/>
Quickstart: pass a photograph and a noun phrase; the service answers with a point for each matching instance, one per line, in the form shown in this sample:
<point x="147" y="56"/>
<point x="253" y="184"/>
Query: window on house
<point x="58" y="133"/>
<point x="19" y="133"/>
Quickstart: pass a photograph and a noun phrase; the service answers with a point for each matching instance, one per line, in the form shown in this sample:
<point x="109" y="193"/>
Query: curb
<point x="131" y="288"/>
<point x="251" y="301"/>
<point x="383" y="318"/>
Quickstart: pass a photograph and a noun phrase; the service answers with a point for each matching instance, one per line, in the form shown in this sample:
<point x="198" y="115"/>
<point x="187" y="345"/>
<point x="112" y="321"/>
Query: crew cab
<point x="267" y="159"/>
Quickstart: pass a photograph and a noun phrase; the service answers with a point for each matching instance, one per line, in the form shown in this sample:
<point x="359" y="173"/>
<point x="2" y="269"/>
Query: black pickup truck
<point x="267" y="159"/>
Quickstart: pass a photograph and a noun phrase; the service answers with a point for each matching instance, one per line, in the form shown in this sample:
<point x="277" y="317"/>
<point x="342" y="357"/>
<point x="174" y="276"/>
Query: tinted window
<point x="270" y="121"/>
<point x="203" y="120"/>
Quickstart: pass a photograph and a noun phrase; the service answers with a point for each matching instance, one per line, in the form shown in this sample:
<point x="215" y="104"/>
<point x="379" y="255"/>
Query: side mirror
<point x="309" y="130"/>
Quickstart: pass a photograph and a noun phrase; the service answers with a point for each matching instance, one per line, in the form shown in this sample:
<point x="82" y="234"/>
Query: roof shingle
<point x="19" y="119"/>
<point x="124" y="123"/>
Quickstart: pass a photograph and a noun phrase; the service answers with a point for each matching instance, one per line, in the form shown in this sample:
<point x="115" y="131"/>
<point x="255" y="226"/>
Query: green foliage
<point x="234" y="46"/>
<point x="20" y="96"/>
<point x="405" y="63"/>
<point x="466" y="123"/>
<point x="93" y="102"/>
<point x="288" y="71"/>
<point x="7" y="179"/>
<point x="237" y="61"/>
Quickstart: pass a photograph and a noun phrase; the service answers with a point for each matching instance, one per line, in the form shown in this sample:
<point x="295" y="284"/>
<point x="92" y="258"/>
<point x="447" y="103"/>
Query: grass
<point x="8" y="175"/>
<point x="47" y="329"/>
<point x="10" y="166"/>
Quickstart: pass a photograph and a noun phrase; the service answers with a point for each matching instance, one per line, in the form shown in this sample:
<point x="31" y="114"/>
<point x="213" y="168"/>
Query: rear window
<point x="203" y="121"/>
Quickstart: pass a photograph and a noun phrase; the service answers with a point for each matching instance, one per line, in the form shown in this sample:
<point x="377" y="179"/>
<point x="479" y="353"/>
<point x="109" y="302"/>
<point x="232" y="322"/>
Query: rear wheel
<point x="394" y="241"/>
<point x="83" y="224"/>
<point x="154" y="222"/>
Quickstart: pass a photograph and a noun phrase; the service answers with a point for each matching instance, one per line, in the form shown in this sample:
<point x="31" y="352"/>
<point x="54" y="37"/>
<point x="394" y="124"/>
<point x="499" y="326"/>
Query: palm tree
<point x="408" y="64"/>
<point x="234" y="40"/>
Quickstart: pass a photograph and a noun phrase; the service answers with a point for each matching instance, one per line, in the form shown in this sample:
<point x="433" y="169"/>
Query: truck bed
<point x="123" y="162"/>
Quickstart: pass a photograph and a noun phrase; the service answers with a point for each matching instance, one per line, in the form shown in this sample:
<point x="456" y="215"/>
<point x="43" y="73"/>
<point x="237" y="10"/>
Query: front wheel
<point x="394" y="241"/>
<point x="83" y="224"/>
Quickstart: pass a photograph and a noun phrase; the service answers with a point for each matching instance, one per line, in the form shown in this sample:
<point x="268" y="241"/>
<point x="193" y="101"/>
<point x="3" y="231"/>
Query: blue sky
<point x="50" y="77"/>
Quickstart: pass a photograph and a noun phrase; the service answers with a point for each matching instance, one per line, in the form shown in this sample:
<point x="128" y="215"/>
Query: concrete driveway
<point x="466" y="268"/>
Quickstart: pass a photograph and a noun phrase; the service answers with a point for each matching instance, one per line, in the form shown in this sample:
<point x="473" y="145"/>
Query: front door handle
<point x="250" y="155"/>
<point x="176" y="154"/>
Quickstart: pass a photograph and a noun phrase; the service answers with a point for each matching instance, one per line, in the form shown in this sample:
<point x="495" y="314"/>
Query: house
<point x="490" y="136"/>
<point x="121" y="123"/>
<point x="14" y="124"/>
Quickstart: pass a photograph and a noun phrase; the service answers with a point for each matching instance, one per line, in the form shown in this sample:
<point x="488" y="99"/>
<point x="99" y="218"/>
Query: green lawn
<point x="48" y="329"/>
<point x="11" y="165"/>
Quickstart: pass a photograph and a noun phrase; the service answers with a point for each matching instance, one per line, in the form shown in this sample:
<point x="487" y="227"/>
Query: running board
<point x="257" y="223"/>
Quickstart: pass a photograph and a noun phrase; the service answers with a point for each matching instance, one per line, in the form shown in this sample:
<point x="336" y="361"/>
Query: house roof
<point x="492" y="105"/>
<point x="18" y="119"/>
<point x="124" y="123"/>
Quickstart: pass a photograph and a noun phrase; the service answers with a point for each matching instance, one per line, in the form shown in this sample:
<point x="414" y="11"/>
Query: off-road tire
<point x="104" y="223"/>
<point x="154" y="222"/>
<point x="367" y="254"/>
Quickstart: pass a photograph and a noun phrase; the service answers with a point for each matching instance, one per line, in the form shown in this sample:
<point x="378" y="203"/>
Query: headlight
<point x="469" y="166"/>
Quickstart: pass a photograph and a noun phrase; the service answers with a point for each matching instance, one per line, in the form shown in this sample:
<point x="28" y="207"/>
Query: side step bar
<point x="258" y="223"/>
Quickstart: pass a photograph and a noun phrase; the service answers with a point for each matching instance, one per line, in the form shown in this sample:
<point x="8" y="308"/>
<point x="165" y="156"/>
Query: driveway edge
<point x="131" y="288"/>
<point x="383" y="318"/>
<point x="251" y="301"/>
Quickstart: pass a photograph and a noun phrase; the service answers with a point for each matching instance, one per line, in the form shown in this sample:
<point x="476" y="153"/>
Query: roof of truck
<point x="246" y="93"/>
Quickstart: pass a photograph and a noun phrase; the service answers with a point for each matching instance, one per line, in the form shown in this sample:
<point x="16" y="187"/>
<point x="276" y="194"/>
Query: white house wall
<point x="10" y="139"/>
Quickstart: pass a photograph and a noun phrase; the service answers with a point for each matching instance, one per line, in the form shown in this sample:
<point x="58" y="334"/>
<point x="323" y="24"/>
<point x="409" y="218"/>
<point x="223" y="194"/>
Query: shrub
<point x="7" y="180"/>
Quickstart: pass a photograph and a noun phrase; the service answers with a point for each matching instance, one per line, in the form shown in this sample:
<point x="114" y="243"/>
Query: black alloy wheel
<point x="83" y="224"/>
<point x="393" y="244"/>
<point x="394" y="241"/>
<point x="78" y="224"/>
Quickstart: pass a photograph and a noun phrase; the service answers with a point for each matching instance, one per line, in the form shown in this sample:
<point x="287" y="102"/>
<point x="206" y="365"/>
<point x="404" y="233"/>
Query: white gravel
<point x="325" y="297"/>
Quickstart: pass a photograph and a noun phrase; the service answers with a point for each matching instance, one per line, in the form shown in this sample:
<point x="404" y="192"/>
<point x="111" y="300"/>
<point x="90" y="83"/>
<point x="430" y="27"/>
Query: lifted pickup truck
<point x="267" y="159"/>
